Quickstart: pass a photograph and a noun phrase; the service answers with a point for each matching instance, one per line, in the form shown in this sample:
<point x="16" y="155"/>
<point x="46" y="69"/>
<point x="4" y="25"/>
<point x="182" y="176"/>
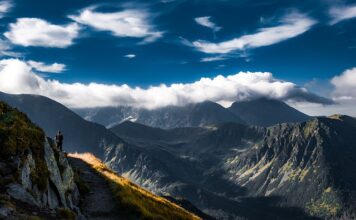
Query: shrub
<point x="63" y="213"/>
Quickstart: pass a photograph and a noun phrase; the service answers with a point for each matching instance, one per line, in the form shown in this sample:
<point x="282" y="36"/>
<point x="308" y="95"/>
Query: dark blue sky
<point x="321" y="52"/>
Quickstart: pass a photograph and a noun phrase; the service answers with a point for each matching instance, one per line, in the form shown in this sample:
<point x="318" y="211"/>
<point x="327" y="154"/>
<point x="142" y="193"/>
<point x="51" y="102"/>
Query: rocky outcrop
<point x="60" y="188"/>
<point x="34" y="175"/>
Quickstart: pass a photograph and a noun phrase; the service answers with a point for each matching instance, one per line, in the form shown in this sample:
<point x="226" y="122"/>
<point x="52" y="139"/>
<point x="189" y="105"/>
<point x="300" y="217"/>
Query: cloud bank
<point x="292" y="25"/>
<point x="37" y="32"/>
<point x="17" y="76"/>
<point x="126" y="23"/>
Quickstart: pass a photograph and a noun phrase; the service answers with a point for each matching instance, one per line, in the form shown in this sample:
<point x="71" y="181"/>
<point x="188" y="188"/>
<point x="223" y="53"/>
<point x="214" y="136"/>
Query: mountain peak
<point x="266" y="112"/>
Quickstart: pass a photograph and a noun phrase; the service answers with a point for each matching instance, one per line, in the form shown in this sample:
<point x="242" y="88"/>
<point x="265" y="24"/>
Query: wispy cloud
<point x="342" y="13"/>
<point x="5" y="7"/>
<point x="17" y="76"/>
<point x="206" y="22"/>
<point x="130" y="56"/>
<point x="48" y="68"/>
<point x="213" y="59"/>
<point x="7" y="50"/>
<point x="291" y="25"/>
<point x="126" y="23"/>
<point x="37" y="32"/>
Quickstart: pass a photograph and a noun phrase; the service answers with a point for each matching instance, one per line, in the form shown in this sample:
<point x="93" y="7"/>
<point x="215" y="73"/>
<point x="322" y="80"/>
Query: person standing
<point x="59" y="140"/>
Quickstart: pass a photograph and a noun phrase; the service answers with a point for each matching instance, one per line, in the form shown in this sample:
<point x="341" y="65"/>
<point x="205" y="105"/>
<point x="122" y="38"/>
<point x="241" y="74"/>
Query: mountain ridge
<point x="261" y="112"/>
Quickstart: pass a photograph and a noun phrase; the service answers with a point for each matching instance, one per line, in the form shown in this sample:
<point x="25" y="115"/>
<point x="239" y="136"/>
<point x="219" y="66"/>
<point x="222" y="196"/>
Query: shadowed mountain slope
<point x="266" y="112"/>
<point x="79" y="134"/>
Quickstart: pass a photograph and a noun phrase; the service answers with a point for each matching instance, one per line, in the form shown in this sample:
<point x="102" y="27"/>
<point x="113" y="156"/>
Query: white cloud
<point x="126" y="23"/>
<point x="37" y="32"/>
<point x="206" y="22"/>
<point x="17" y="77"/>
<point x="48" y="68"/>
<point x="5" y="7"/>
<point x="292" y="25"/>
<point x="342" y="13"/>
<point x="345" y="86"/>
<point x="130" y="56"/>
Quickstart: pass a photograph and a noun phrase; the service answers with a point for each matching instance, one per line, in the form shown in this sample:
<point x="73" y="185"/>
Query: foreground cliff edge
<point x="38" y="182"/>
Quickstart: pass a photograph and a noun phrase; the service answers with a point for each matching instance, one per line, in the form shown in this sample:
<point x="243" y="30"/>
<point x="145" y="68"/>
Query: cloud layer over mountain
<point x="18" y="76"/>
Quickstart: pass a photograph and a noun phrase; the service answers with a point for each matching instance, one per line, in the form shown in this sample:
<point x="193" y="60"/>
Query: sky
<point x="156" y="53"/>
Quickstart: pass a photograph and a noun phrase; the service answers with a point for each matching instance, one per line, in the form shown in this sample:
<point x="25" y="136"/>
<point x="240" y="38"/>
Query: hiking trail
<point x="99" y="204"/>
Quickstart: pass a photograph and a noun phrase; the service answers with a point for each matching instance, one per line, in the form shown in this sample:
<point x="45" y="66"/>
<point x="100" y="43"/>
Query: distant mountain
<point x="191" y="115"/>
<point x="79" y="135"/>
<point x="229" y="170"/>
<point x="266" y="112"/>
<point x="261" y="112"/>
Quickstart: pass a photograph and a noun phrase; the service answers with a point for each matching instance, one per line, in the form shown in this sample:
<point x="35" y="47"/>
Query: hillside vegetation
<point x="19" y="136"/>
<point x="137" y="202"/>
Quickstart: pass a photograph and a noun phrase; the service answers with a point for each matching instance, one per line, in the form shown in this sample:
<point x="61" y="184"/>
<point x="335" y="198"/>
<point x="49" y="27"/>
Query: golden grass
<point x="137" y="201"/>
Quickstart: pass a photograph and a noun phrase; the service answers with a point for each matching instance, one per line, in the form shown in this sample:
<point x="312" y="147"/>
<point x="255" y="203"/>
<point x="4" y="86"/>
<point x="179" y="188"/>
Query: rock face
<point x="287" y="171"/>
<point x="33" y="171"/>
<point x="311" y="164"/>
<point x="60" y="189"/>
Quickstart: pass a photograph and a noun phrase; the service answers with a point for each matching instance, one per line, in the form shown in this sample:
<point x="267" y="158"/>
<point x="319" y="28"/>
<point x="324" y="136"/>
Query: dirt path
<point x="99" y="204"/>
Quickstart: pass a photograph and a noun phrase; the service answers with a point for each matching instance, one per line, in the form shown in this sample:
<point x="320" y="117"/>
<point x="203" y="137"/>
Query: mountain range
<point x="261" y="112"/>
<point x="301" y="169"/>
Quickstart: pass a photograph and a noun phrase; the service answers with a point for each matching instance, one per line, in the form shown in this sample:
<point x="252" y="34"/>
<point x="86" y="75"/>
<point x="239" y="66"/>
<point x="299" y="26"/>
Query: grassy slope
<point x="135" y="200"/>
